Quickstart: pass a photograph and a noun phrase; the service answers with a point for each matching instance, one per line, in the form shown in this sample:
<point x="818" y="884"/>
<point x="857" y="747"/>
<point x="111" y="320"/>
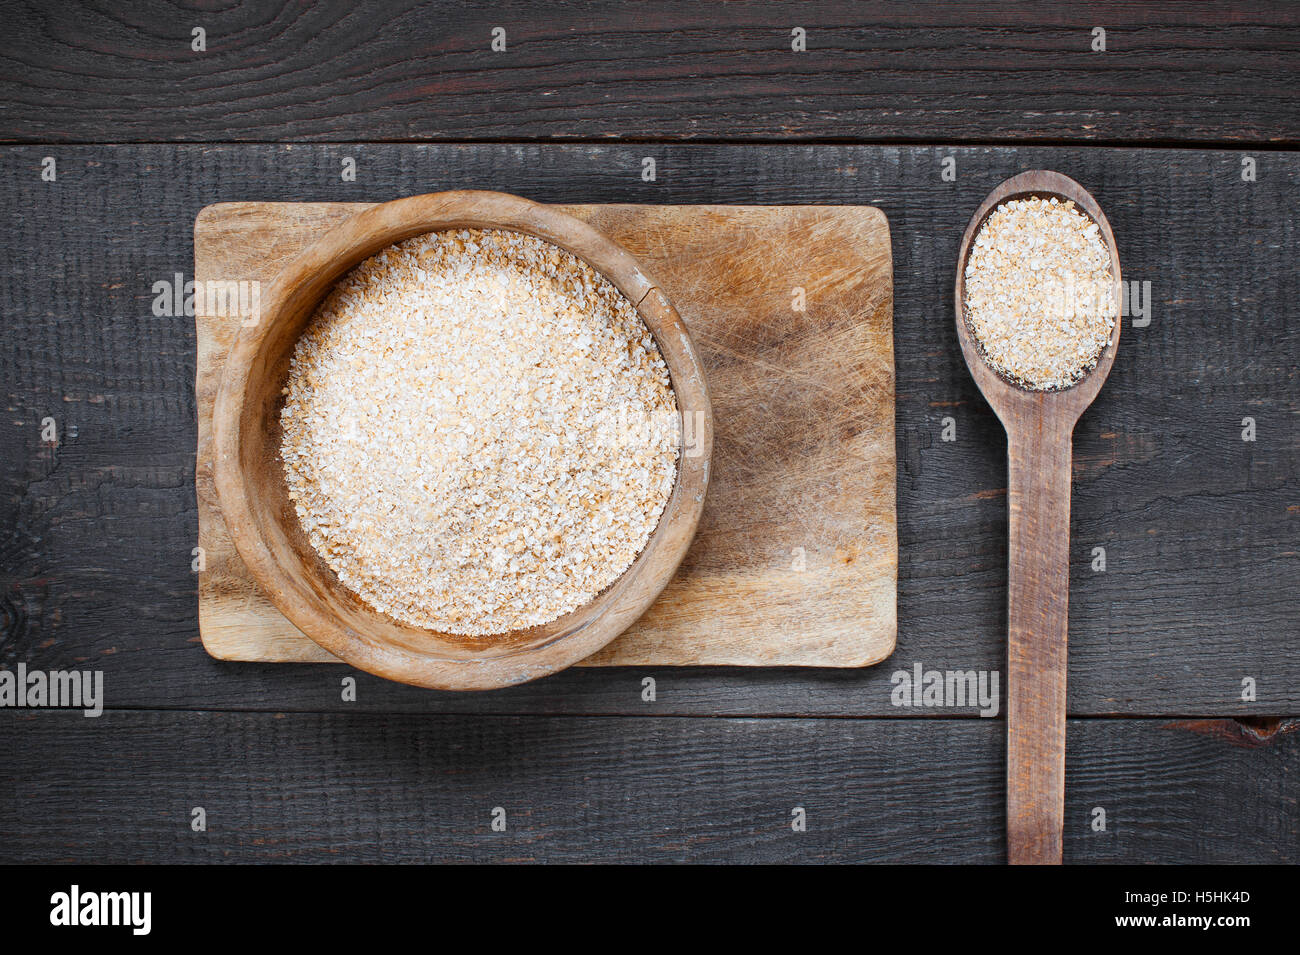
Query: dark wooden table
<point x="1199" y="526"/>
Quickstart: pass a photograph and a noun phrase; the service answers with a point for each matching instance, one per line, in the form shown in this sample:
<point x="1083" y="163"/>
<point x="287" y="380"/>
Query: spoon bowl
<point x="1008" y="399"/>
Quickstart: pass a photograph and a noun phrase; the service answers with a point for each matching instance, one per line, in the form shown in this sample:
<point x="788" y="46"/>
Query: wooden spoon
<point x="1039" y="426"/>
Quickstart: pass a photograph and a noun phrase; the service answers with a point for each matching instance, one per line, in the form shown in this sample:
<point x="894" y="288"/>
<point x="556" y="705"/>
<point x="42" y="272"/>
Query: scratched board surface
<point x="796" y="559"/>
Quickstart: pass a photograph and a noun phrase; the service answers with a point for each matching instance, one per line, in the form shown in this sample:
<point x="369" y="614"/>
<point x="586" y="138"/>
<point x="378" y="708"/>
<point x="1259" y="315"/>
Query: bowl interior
<point x="264" y="521"/>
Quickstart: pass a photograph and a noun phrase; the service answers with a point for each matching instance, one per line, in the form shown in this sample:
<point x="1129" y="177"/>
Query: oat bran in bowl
<point x="451" y="449"/>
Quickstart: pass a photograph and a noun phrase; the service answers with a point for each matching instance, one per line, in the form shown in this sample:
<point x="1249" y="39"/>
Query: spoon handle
<point x="1038" y="501"/>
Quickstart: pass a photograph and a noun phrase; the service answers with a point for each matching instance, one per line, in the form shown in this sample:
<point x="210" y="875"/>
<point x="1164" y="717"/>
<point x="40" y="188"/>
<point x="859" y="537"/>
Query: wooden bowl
<point x="264" y="525"/>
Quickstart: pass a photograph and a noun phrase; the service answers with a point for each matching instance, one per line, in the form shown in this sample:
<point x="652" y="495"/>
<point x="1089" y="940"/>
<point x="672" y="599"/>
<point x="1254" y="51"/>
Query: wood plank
<point x="887" y="71"/>
<point x="315" y="788"/>
<point x="1198" y="526"/>
<point x="796" y="559"/>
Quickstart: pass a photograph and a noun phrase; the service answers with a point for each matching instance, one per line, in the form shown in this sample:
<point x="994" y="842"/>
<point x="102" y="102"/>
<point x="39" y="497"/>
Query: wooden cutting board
<point x="791" y="309"/>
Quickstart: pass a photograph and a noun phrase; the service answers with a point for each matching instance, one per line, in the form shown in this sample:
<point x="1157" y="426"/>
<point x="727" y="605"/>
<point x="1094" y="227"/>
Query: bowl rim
<point x="324" y="262"/>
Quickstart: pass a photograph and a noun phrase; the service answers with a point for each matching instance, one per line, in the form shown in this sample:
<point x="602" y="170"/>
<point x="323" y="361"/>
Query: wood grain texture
<point x="796" y="559"/>
<point x="1199" y="527"/>
<point x="358" y="788"/>
<point x="903" y="70"/>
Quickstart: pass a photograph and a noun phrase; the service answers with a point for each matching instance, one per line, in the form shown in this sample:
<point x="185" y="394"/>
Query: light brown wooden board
<point x="796" y="559"/>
